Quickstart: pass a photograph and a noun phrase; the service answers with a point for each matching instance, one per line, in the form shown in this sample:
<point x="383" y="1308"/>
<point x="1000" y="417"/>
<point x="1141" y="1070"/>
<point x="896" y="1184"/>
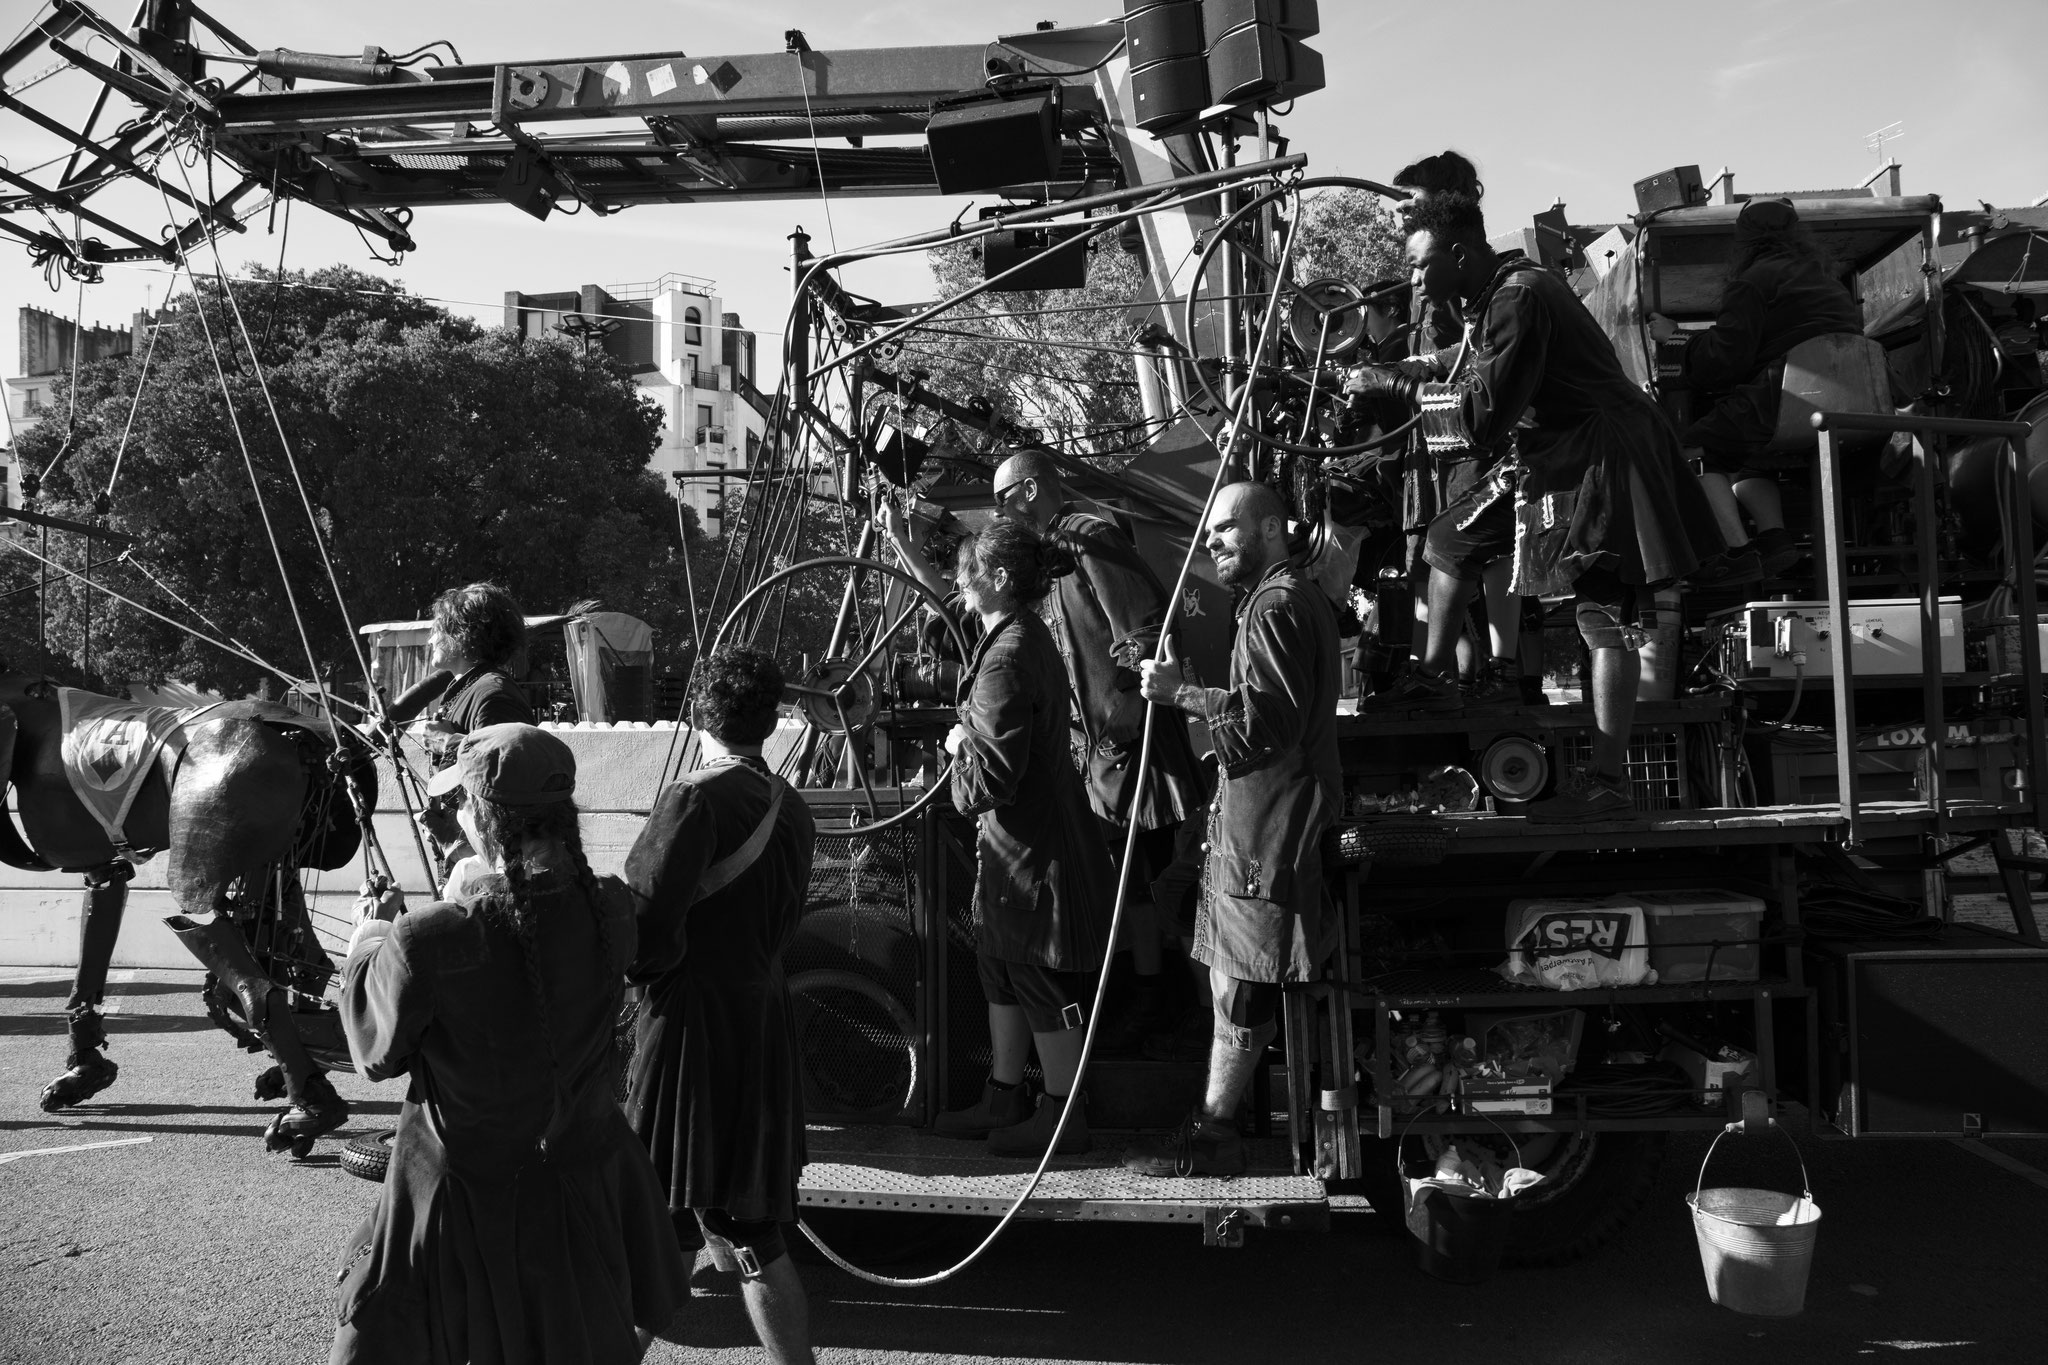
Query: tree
<point x="1349" y="235"/>
<point x="434" y="452"/>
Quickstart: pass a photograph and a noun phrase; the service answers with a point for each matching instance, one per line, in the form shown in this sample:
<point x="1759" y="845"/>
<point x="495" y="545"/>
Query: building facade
<point x="687" y="354"/>
<point x="48" y="344"/>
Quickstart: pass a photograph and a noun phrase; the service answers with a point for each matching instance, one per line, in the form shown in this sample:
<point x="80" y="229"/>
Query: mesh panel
<point x="855" y="975"/>
<point x="968" y="1051"/>
<point x="1656" y="765"/>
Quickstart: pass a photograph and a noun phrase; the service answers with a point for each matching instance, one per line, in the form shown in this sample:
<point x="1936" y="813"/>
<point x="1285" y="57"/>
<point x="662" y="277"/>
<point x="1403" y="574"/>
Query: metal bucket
<point x="1756" y="1246"/>
<point x="1458" y="1237"/>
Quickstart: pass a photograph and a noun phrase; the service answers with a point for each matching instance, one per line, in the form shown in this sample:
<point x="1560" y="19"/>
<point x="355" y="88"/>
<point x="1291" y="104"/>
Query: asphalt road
<point x="194" y="1246"/>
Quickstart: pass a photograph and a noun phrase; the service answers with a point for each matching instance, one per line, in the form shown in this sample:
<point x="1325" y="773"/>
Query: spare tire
<point x="369" y="1157"/>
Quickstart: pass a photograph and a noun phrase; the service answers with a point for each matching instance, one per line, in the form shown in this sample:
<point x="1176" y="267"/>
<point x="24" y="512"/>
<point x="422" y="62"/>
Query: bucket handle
<point x="1401" y="1140"/>
<point x="1805" y="1182"/>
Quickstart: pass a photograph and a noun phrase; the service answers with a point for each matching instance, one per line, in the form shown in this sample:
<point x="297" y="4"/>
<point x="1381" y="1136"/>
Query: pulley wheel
<point x="1337" y="305"/>
<point x="1515" y="768"/>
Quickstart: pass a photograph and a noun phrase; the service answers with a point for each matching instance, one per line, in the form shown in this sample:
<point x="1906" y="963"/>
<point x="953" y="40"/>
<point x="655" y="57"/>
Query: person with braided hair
<point x="520" y="1220"/>
<point x="720" y="872"/>
<point x="1044" y="885"/>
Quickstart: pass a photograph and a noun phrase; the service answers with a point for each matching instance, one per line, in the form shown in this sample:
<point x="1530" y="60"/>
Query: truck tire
<point x="369" y="1157"/>
<point x="1596" y="1182"/>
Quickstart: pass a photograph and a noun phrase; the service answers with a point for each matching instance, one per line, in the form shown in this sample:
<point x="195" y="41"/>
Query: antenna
<point x="1876" y="140"/>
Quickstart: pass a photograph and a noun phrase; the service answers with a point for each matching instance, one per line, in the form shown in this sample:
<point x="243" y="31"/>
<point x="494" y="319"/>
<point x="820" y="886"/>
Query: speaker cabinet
<point x="1672" y="189"/>
<point x="1170" y="92"/>
<point x="1258" y="62"/>
<point x="983" y="142"/>
<point x="1160" y="33"/>
<point x="1032" y="249"/>
<point x="1944" y="1038"/>
<point x="1296" y="18"/>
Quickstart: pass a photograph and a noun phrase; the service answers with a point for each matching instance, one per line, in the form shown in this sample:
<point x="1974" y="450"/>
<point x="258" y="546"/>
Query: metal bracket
<point x="1223" y="1227"/>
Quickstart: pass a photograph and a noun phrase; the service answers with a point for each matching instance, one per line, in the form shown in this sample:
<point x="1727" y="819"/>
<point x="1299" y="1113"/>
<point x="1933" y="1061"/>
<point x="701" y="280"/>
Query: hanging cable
<point x="1226" y="456"/>
<point x="803" y="83"/>
<point x="148" y="352"/>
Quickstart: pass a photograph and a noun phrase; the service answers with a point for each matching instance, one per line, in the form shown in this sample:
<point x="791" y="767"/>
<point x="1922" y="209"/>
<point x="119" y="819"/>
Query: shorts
<point x="1605" y="607"/>
<point x="1736" y="426"/>
<point x="1473" y="532"/>
<point x="1175" y="887"/>
<point x="1053" y="1001"/>
<point x="733" y="1242"/>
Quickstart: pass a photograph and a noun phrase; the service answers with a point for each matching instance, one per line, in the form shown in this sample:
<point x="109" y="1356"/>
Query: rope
<point x="135" y="404"/>
<point x="817" y="156"/>
<point x="1238" y="424"/>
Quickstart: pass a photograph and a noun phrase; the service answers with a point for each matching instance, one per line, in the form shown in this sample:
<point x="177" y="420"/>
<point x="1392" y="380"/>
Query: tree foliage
<point x="1350" y="235"/>
<point x="433" y="452"/>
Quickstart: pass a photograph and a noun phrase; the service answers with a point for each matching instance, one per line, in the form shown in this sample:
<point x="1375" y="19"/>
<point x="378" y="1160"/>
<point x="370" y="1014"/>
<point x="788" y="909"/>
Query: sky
<point x="1573" y="101"/>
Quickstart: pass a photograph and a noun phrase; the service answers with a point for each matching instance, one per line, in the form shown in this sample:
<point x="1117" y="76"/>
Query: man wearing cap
<point x="1780" y="292"/>
<point x="1106" y="618"/>
<point x="1263" y="916"/>
<point x="721" y="871"/>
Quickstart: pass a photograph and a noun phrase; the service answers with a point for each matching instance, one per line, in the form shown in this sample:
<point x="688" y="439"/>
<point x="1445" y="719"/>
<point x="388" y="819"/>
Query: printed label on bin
<point x="1604" y="934"/>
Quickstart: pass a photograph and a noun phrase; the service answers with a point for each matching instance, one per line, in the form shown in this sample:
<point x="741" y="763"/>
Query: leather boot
<point x="995" y="1109"/>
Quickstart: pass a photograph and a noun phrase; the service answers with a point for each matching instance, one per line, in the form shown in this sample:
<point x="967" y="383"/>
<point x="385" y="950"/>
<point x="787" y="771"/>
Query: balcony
<point x="710" y="436"/>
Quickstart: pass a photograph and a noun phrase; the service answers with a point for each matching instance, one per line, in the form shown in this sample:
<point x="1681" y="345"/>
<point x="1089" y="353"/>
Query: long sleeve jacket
<point x="1042" y="872"/>
<point x="1772" y="306"/>
<point x="1106" y="618"/>
<point x="1275" y="734"/>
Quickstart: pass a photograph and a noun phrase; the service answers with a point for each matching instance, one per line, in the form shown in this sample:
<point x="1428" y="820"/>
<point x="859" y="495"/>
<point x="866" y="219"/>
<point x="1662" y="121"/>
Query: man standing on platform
<point x="720" y="872"/>
<point x="1263" y="917"/>
<point x="1105" y="618"/>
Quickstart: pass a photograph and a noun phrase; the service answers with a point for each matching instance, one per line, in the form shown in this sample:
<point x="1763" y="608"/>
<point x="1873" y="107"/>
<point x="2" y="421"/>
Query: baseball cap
<point x="513" y="765"/>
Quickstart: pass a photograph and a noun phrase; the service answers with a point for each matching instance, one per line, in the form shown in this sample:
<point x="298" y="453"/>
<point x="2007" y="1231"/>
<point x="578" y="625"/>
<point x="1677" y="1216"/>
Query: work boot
<point x="1032" y="1136"/>
<point x="1588" y="799"/>
<point x="1740" y="565"/>
<point x="1498" y="687"/>
<point x="88" y="1074"/>
<point x="997" y="1108"/>
<point x="1777" y="551"/>
<point x="1199" y="1146"/>
<point x="1418" y="691"/>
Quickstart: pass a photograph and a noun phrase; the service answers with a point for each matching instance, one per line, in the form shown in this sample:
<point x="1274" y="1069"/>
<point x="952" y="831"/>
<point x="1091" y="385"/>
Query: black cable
<point x="1612" y="1091"/>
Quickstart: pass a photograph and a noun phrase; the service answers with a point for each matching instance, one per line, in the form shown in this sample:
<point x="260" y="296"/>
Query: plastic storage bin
<point x="1701" y="935"/>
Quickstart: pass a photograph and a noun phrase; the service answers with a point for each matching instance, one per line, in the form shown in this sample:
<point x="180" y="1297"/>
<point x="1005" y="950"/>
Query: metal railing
<point x="2017" y="533"/>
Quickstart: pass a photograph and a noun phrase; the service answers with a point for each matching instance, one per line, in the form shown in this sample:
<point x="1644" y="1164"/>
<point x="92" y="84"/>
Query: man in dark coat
<point x="720" y="871"/>
<point x="1596" y="496"/>
<point x="1264" y="916"/>
<point x="1105" y="618"/>
<point x="1780" y="292"/>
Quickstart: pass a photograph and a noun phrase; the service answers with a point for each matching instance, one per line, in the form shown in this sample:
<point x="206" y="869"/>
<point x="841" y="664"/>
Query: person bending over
<point x="1263" y="916"/>
<point x="1780" y="292"/>
<point x="1043" y="883"/>
<point x="1600" y="499"/>
<point x="721" y="870"/>
<point x="519" y="1219"/>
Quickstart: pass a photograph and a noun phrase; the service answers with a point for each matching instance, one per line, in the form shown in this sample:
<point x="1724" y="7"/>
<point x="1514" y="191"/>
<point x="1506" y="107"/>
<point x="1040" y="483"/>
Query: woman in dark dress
<point x="1043" y="882"/>
<point x="520" y="1220"/>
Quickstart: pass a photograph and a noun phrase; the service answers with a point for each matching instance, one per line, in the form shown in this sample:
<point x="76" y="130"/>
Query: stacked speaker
<point x="1188" y="56"/>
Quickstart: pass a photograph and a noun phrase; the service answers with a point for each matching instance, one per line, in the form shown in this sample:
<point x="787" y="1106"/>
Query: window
<point x="753" y="447"/>
<point x="692" y="366"/>
<point x="32" y="401"/>
<point x="693" y="327"/>
<point x="703" y="414"/>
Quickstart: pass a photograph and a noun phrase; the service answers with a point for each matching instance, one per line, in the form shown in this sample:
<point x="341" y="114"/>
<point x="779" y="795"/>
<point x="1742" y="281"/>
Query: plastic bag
<point x="1572" y="945"/>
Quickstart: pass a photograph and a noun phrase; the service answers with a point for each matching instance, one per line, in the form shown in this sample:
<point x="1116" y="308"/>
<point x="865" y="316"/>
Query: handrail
<point x="2017" y="535"/>
<point x="1919" y="426"/>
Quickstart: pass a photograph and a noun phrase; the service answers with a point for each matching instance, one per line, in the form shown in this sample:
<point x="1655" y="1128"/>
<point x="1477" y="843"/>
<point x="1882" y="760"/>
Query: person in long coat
<point x="1597" y="498"/>
<point x="1106" y="618"/>
<point x="720" y="872"/>
<point x="1043" y="891"/>
<point x="520" y="1222"/>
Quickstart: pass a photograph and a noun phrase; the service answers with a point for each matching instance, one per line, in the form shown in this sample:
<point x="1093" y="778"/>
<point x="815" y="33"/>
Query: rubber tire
<point x="369" y="1157"/>
<point x="1617" y="1179"/>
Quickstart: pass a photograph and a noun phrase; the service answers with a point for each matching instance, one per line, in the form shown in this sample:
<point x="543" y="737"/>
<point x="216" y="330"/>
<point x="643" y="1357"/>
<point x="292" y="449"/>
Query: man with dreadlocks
<point x="720" y="873"/>
<point x="520" y="1220"/>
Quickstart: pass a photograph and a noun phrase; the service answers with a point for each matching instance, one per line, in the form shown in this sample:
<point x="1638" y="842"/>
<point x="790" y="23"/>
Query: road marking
<point x="1978" y="1147"/>
<point x="6" y="1157"/>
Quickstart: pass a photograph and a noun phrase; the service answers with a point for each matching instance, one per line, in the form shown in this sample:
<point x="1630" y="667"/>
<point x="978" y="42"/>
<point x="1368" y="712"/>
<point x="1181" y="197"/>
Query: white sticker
<point x="661" y="79"/>
<point x="700" y="75"/>
<point x="618" y="82"/>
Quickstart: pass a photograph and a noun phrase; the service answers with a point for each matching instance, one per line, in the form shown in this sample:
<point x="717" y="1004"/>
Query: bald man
<point x="1106" y="619"/>
<point x="1264" y="917"/>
